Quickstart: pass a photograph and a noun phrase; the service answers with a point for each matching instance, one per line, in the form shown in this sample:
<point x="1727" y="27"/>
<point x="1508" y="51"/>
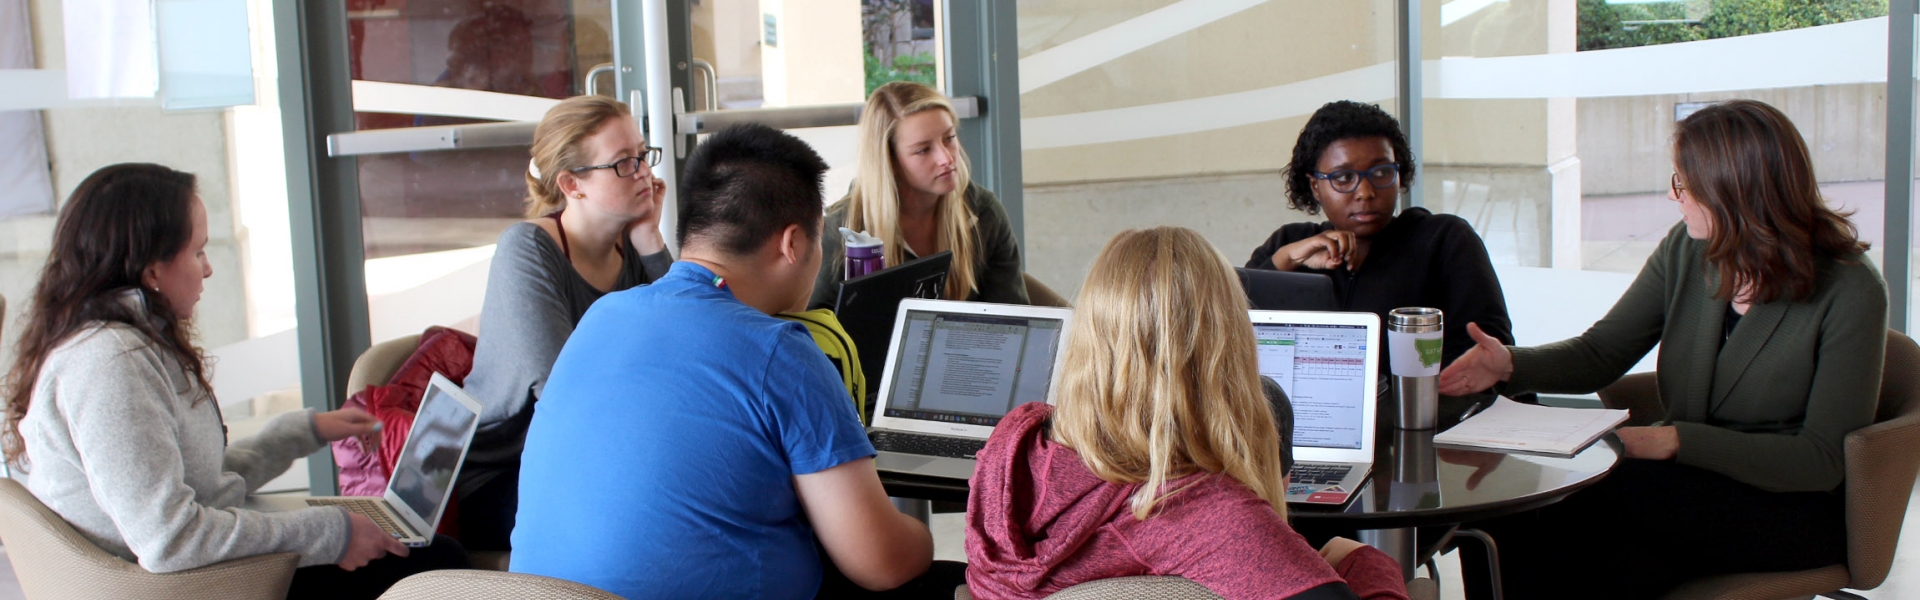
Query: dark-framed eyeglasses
<point x="1346" y="181"/>
<point x="1677" y="186"/>
<point x="626" y="167"/>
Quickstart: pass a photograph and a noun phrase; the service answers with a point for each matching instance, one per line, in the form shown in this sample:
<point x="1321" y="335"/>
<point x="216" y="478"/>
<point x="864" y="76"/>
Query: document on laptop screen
<point x="1323" y="369"/>
<point x="972" y="368"/>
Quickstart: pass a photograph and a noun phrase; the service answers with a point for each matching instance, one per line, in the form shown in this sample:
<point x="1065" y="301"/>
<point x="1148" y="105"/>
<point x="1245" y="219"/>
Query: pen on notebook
<point x="1476" y="407"/>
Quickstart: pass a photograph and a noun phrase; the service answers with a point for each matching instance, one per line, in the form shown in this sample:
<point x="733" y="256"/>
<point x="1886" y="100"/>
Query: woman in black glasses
<point x="1352" y="162"/>
<point x="592" y="228"/>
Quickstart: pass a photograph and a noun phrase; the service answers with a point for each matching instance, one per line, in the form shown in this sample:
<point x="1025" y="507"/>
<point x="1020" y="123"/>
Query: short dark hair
<point x="745" y="184"/>
<point x="1335" y="121"/>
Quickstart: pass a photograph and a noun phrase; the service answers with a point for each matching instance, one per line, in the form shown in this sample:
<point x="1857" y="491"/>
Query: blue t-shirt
<point x="661" y="456"/>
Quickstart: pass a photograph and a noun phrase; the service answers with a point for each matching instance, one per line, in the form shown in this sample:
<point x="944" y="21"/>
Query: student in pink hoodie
<point x="1161" y="458"/>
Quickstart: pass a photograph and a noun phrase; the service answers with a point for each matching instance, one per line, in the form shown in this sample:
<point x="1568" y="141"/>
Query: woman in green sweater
<point x="1772" y="327"/>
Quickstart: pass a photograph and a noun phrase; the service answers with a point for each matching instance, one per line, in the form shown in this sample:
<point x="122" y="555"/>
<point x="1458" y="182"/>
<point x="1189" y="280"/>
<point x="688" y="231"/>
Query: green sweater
<point x="1772" y="407"/>
<point x="996" y="260"/>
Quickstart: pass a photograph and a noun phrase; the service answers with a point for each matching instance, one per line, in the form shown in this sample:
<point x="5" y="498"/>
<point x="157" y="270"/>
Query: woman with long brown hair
<point x="915" y="192"/>
<point x="1162" y="456"/>
<point x="110" y="410"/>
<point x="1772" y="328"/>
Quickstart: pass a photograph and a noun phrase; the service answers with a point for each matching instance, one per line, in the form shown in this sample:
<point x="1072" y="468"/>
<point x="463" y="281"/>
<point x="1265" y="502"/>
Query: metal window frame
<point x="1409" y="82"/>
<point x="1897" y="248"/>
<point x="983" y="60"/>
<point x="323" y="198"/>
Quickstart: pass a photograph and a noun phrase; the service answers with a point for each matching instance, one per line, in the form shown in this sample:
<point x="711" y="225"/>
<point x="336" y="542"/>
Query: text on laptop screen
<point x="1323" y="369"/>
<point x="971" y="369"/>
<point x="422" y="475"/>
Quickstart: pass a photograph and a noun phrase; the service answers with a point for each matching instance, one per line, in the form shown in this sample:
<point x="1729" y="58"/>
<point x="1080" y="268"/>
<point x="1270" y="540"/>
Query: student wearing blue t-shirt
<point x="690" y="445"/>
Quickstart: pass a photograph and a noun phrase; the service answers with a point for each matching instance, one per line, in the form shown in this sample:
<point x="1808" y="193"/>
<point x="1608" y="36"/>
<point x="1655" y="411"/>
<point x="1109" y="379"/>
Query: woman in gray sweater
<point x="1772" y="327"/>
<point x="110" y="414"/>
<point x="592" y="228"/>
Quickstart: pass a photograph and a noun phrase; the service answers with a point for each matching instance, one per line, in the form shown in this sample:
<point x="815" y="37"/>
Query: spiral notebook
<point x="1510" y="426"/>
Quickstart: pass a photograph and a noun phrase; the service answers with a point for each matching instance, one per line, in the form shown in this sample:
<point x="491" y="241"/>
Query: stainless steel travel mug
<point x="1415" y="340"/>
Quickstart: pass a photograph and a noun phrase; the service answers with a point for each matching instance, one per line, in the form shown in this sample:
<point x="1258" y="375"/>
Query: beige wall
<point x="81" y="140"/>
<point x="1628" y="149"/>
<point x="818" y="57"/>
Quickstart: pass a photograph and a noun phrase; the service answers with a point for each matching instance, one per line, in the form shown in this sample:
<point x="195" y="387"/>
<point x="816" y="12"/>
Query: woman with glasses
<point x="1772" y="328"/>
<point x="1352" y="163"/>
<point x="593" y="228"/>
<point x="914" y="192"/>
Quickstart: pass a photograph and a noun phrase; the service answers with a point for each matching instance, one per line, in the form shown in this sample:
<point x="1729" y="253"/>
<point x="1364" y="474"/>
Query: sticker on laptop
<point x="1329" y="495"/>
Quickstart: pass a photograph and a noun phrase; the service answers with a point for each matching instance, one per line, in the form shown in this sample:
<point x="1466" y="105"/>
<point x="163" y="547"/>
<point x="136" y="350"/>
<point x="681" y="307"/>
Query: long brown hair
<point x="1745" y="162"/>
<point x="122" y="219"/>
<point x="1144" y="400"/>
<point x="557" y="147"/>
<point x="874" y="205"/>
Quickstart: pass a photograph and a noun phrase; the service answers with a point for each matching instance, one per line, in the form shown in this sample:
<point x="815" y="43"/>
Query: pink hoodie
<point x="1038" y="521"/>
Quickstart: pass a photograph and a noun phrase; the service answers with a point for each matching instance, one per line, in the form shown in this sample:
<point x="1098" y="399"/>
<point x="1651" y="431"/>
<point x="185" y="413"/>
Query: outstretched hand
<point x="1488" y="362"/>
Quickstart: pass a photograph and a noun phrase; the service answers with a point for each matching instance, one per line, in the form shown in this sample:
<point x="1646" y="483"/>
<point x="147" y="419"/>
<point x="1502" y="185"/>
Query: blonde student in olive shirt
<point x="915" y="193"/>
<point x="1772" y="329"/>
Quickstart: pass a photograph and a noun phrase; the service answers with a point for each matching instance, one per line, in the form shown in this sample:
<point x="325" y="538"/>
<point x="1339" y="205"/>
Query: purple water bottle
<point x="865" y="253"/>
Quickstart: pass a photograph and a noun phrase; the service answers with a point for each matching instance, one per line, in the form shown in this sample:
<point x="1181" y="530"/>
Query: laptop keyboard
<point x="1319" y="474"/>
<point x="369" y="507"/>
<point x="926" y="445"/>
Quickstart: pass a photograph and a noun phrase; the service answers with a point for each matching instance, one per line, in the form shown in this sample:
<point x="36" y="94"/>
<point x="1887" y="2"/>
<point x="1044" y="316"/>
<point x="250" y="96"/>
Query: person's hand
<point x="1482" y="463"/>
<point x="367" y="543"/>
<point x="1488" y="362"/>
<point x="644" y="233"/>
<point x="345" y="423"/>
<point x="1328" y="250"/>
<point x="1651" y="443"/>
<point x="1337" y="550"/>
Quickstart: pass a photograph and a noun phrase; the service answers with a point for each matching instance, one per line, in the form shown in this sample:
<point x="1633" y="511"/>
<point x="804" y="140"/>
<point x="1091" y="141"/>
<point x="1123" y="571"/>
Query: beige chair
<point x="376" y="366"/>
<point x="53" y="561"/>
<point x="1174" y="588"/>
<point x="1038" y="294"/>
<point x="490" y="585"/>
<point x="1882" y="460"/>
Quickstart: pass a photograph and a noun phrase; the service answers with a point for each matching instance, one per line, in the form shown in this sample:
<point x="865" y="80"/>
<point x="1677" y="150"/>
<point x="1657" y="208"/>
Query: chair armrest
<point x="1639" y="393"/>
<point x="1882" y="460"/>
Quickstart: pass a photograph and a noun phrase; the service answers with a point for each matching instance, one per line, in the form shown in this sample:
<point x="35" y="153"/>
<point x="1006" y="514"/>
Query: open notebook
<point x="1510" y="426"/>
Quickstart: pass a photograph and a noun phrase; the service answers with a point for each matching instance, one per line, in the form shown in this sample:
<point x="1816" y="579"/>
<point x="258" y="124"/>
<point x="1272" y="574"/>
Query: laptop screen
<point x="971" y="369"/>
<point x="1323" y="369"/>
<point x="427" y="465"/>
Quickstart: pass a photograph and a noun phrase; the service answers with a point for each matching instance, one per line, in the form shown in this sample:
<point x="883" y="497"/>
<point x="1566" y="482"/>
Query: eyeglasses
<point x="626" y="167"/>
<point x="1677" y="186"/>
<point x="1346" y="181"/>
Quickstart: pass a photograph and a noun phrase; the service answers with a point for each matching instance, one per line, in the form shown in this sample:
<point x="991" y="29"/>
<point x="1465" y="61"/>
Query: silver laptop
<point x="1326" y="363"/>
<point x="423" y="478"/>
<point x="953" y="370"/>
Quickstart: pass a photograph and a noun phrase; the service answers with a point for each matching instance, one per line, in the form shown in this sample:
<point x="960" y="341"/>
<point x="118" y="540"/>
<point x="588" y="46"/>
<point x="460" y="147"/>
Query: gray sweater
<point x="117" y="446"/>
<point x="534" y="298"/>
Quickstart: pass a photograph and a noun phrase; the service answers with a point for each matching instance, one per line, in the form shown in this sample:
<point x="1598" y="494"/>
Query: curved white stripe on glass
<point x="406" y="99"/>
<point x="1097" y="48"/>
<point x="1852" y="52"/>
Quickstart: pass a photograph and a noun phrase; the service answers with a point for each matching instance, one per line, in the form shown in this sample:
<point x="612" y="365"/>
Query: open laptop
<point x="868" y="304"/>
<point x="1285" y="290"/>
<point x="954" y="369"/>
<point x="1325" y="361"/>
<point x="423" y="478"/>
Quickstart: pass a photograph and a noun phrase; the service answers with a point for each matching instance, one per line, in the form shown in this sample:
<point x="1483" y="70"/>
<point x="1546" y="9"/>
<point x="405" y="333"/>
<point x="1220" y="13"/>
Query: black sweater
<point x="1419" y="259"/>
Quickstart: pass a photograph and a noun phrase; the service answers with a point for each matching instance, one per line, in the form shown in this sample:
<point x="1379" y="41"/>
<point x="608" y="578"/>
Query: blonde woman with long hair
<point x="1161" y="457"/>
<point x="914" y="191"/>
<point x="592" y="228"/>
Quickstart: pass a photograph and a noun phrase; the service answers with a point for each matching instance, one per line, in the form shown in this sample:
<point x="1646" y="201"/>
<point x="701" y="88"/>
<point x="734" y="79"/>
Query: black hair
<point x="745" y="184"/>
<point x="120" y="220"/>
<point x="1335" y="121"/>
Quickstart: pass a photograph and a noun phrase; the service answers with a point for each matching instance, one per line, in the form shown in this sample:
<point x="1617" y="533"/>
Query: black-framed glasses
<point x="1346" y="181"/>
<point x="626" y="167"/>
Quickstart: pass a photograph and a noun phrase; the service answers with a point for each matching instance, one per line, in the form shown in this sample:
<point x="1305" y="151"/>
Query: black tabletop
<point x="1413" y="484"/>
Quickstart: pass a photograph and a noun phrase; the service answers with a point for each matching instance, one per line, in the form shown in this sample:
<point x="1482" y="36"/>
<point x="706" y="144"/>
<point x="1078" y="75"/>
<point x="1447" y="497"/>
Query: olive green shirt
<point x="996" y="261"/>
<point x="1769" y="405"/>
